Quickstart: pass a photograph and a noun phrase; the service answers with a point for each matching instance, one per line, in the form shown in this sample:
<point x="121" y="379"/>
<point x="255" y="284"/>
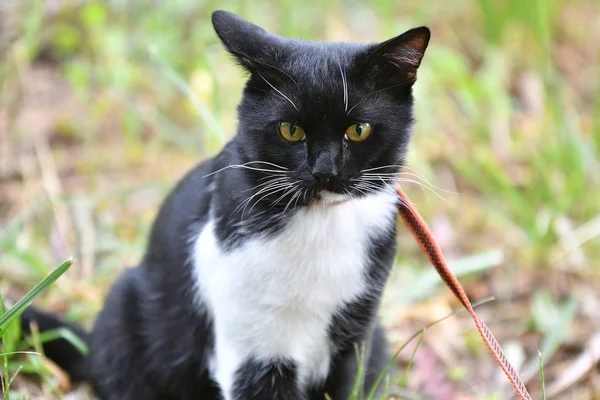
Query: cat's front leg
<point x="245" y="377"/>
<point x="267" y="380"/>
<point x="255" y="379"/>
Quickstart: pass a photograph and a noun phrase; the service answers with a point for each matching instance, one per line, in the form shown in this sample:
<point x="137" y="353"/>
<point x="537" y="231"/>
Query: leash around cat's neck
<point x="432" y="250"/>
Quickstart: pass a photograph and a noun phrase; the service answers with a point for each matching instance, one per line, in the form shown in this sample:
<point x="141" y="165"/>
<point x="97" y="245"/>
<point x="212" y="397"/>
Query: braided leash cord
<point x="427" y="242"/>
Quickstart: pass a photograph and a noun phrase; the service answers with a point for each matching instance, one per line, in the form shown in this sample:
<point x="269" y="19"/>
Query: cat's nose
<point x="323" y="177"/>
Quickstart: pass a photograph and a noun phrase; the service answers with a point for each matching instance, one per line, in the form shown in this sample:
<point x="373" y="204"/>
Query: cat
<point x="266" y="264"/>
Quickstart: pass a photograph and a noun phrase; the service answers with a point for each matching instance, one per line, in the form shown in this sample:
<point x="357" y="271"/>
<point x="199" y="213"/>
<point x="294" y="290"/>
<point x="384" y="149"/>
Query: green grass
<point x="542" y="378"/>
<point x="508" y="111"/>
<point x="10" y="330"/>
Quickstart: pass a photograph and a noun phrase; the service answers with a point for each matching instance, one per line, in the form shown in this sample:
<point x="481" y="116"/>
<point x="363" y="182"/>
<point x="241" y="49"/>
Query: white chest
<point x="274" y="297"/>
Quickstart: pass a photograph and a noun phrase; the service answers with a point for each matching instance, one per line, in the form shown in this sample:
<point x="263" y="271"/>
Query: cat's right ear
<point x="248" y="43"/>
<point x="396" y="61"/>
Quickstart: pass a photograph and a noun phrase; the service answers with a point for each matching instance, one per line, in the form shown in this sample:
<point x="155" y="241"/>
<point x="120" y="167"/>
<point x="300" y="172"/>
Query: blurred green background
<point x="105" y="104"/>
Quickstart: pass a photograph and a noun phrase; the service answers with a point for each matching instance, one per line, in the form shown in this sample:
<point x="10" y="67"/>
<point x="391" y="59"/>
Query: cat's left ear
<point x="250" y="44"/>
<point x="396" y="61"/>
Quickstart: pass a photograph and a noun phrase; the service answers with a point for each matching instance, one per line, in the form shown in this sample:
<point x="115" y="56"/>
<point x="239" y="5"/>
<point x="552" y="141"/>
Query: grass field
<point x="105" y="104"/>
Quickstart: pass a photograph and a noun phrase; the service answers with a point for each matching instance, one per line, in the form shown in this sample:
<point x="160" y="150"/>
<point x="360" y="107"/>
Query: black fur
<point x="257" y="380"/>
<point x="153" y="339"/>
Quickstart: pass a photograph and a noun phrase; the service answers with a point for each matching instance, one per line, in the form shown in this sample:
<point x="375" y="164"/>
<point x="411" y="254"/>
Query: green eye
<point x="291" y="132"/>
<point x="358" y="132"/>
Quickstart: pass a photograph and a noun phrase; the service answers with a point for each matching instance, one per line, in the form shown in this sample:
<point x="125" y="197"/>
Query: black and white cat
<point x="266" y="264"/>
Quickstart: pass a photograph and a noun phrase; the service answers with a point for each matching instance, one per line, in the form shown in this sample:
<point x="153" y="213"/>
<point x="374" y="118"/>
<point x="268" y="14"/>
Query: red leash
<point x="432" y="250"/>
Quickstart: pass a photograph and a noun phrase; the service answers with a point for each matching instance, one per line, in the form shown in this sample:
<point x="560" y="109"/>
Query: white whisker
<point x="267" y="163"/>
<point x="286" y="187"/>
<point x="300" y="194"/>
<point x="414" y="172"/>
<point x="398" y="179"/>
<point x="353" y="107"/>
<point x="382" y="167"/>
<point x="424" y="178"/>
<point x="345" y="86"/>
<point x="291" y="188"/>
<point x="285" y="73"/>
<point x="360" y="190"/>
<point x="273" y="180"/>
<point x="244" y="166"/>
<point x="247" y="203"/>
<point x="278" y="91"/>
<point x="295" y="196"/>
<point x="401" y="174"/>
<point x="273" y="185"/>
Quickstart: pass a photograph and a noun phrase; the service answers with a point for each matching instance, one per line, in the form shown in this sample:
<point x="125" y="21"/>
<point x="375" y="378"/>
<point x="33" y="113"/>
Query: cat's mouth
<point x="327" y="198"/>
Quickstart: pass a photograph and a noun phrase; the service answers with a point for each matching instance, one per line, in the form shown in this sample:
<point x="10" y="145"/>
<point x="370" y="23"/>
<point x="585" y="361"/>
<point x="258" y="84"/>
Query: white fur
<point x="274" y="297"/>
<point x="330" y="197"/>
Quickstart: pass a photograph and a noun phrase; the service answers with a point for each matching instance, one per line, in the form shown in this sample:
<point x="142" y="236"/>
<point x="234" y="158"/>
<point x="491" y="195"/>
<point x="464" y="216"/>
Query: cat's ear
<point x="396" y="61"/>
<point x="248" y="43"/>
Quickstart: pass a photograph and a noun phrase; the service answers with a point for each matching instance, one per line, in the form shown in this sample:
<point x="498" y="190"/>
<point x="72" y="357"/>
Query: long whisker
<point x="269" y="194"/>
<point x="269" y="92"/>
<point x="395" y="193"/>
<point x="278" y="91"/>
<point x="267" y="163"/>
<point x="283" y="72"/>
<point x="291" y="188"/>
<point x="412" y="169"/>
<point x="386" y="185"/>
<point x="422" y="177"/>
<point x="401" y="174"/>
<point x="273" y="180"/>
<point x="388" y="180"/>
<point x="399" y="168"/>
<point x="349" y="193"/>
<point x="414" y="173"/>
<point x="367" y="185"/>
<point x="268" y="188"/>
<point x="345" y="86"/>
<point x="245" y="166"/>
<point x="382" y="167"/>
<point x="405" y="180"/>
<point x="295" y="196"/>
<point x="366" y="189"/>
<point x="300" y="194"/>
<point x="269" y="176"/>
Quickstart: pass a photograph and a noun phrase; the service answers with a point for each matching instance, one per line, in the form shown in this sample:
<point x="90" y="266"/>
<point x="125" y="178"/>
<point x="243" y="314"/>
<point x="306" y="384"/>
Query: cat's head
<point x="336" y="116"/>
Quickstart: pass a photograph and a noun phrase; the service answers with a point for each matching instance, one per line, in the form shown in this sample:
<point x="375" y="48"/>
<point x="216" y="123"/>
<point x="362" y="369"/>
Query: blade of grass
<point x="26" y="368"/>
<point x="359" y="379"/>
<point x="555" y="338"/>
<point x="61" y="333"/>
<point x="38" y="362"/>
<point x="404" y="379"/>
<point x="410" y="339"/>
<point x="14" y="353"/>
<point x="7" y="318"/>
<point x="200" y="107"/>
<point x="14" y="375"/>
<point x="358" y="389"/>
<point x="5" y="381"/>
<point x="542" y="379"/>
